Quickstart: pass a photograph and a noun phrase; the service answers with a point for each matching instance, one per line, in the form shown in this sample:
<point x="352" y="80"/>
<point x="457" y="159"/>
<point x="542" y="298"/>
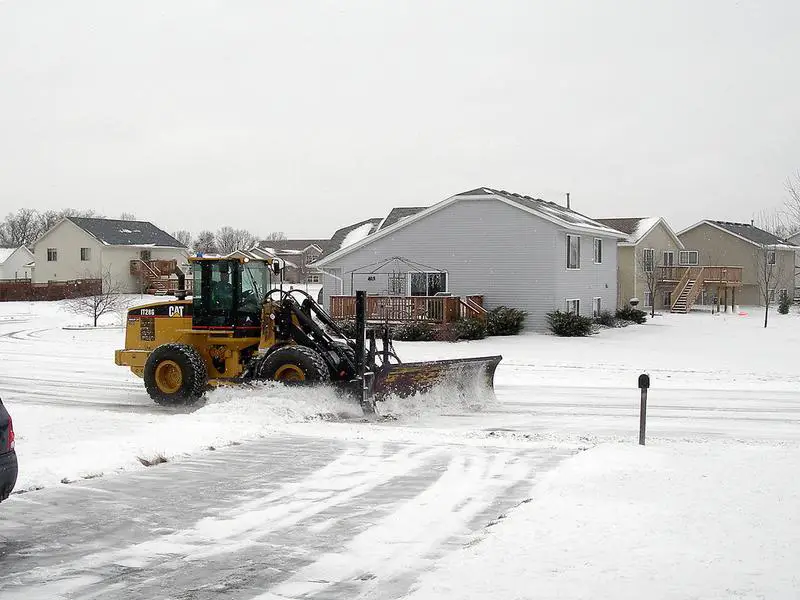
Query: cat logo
<point x="175" y="311"/>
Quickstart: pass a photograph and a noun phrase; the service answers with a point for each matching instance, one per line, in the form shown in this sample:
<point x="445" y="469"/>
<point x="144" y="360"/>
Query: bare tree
<point x="775" y="222"/>
<point x="205" y="242"/>
<point x="230" y="240"/>
<point x="127" y="216"/>
<point x="107" y="300"/>
<point x="183" y="236"/>
<point x="275" y="236"/>
<point x="649" y="267"/>
<point x="20" y="228"/>
<point x="50" y="217"/>
<point x="771" y="274"/>
<point x="792" y="203"/>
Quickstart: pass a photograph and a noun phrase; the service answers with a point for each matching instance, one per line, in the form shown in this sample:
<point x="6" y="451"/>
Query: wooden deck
<point x="435" y="309"/>
<point x="688" y="282"/>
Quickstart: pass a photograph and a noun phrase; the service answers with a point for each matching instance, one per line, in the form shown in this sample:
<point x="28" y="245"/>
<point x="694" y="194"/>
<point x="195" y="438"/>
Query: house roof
<point x="745" y="231"/>
<point x="637" y="228"/>
<point x="347" y="236"/>
<point x="400" y="213"/>
<point x="549" y="211"/>
<point x="117" y="232"/>
<point x="5" y="253"/>
<point x="297" y="245"/>
<point x="561" y="215"/>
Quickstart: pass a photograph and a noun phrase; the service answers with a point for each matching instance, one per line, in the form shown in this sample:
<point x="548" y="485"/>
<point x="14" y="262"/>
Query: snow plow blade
<point x="469" y="376"/>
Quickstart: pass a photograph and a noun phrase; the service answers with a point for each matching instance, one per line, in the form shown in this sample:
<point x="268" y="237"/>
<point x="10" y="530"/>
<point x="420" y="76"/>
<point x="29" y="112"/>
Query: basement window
<point x="574" y="306"/>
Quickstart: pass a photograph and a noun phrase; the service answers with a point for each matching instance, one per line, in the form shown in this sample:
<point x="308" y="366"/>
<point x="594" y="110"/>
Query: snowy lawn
<point x="670" y="522"/>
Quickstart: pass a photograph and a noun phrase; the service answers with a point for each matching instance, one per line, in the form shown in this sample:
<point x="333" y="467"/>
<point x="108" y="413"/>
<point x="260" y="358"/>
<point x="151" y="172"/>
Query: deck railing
<point x="436" y="309"/>
<point x="730" y="275"/>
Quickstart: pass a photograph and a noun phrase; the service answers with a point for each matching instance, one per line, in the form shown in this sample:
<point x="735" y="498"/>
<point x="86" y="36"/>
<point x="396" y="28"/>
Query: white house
<point x="85" y="248"/>
<point x="513" y="250"/>
<point x="15" y="263"/>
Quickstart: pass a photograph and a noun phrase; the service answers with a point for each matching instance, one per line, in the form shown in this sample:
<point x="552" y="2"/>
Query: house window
<point x="574" y="306"/>
<point x="772" y="295"/>
<point x="144" y="254"/>
<point x="667" y="299"/>
<point x="428" y="284"/>
<point x="86" y="254"/>
<point x="771" y="257"/>
<point x="598" y="251"/>
<point x="573" y="252"/>
<point x="669" y="258"/>
<point x="52" y="255"/>
<point x="649" y="259"/>
<point x="312" y="278"/>
<point x="311" y="257"/>
<point x="648" y="299"/>
<point x="597" y="306"/>
<point x="688" y="257"/>
<point x="397" y="284"/>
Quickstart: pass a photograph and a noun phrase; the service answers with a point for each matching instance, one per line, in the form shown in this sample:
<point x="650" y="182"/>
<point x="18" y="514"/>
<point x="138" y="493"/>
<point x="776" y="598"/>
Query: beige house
<point x="795" y="239"/>
<point x="136" y="254"/>
<point x="758" y="258"/>
<point x="650" y="243"/>
<point x="15" y="263"/>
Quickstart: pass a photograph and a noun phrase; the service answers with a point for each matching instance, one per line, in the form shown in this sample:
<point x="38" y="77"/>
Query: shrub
<point x="567" y="324"/>
<point x="446" y="332"/>
<point x="505" y="321"/>
<point x="470" y="329"/>
<point x="414" y="331"/>
<point x="606" y="318"/>
<point x="784" y="303"/>
<point x="628" y="313"/>
<point x="348" y="326"/>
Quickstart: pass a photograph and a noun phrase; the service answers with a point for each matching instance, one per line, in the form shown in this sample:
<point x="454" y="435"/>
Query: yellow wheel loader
<point x="236" y="327"/>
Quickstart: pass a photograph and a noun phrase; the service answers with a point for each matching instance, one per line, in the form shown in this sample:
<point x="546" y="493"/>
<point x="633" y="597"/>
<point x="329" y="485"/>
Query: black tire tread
<point x="286" y="354"/>
<point x="198" y="374"/>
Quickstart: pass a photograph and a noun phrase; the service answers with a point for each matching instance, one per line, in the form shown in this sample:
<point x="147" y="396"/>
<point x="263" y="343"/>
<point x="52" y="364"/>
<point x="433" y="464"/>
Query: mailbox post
<point x="644" y="384"/>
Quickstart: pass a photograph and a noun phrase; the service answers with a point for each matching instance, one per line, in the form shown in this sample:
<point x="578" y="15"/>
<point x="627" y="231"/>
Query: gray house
<point x="511" y="249"/>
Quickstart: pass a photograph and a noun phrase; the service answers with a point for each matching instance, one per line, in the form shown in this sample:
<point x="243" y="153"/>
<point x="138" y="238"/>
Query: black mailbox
<point x="644" y="381"/>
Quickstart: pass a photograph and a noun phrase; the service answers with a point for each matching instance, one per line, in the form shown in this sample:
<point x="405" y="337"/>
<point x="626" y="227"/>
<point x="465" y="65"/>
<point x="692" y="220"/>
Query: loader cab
<point x="228" y="294"/>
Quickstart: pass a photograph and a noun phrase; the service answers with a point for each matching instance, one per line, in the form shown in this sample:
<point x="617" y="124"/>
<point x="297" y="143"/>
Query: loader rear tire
<point x="294" y="365"/>
<point x="175" y="374"/>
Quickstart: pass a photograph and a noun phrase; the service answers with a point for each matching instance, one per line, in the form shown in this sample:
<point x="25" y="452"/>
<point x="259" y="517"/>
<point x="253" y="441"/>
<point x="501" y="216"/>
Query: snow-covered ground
<point x="705" y="510"/>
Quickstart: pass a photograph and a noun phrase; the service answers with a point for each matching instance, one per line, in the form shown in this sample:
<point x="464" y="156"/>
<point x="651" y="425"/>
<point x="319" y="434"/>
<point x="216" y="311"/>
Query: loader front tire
<point x="294" y="365"/>
<point x="175" y="374"/>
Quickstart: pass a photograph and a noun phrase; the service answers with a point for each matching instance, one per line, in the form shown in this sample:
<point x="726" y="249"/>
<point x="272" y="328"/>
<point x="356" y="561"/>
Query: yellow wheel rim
<point x="169" y="377"/>
<point x="290" y="373"/>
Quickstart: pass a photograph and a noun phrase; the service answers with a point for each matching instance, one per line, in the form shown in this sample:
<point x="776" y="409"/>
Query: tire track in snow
<point x="385" y="559"/>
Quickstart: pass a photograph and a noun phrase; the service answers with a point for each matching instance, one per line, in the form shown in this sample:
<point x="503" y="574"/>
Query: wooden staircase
<point x="690" y="287"/>
<point x="154" y="275"/>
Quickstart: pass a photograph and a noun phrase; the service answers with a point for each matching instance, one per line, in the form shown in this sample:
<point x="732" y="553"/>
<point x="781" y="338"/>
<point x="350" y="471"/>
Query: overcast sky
<point x="305" y="116"/>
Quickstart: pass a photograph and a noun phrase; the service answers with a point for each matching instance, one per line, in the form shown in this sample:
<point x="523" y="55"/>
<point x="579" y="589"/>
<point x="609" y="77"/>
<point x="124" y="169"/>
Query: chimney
<point x="752" y="222"/>
<point x="568" y="200"/>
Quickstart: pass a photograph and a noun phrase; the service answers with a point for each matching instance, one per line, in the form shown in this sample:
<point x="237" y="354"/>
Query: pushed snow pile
<point x="626" y="522"/>
<point x="276" y="403"/>
<point x="59" y="444"/>
<point x="448" y="397"/>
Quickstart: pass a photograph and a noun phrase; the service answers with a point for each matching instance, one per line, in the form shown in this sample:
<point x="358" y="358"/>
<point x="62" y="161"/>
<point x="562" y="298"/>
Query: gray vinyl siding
<point x="487" y="247"/>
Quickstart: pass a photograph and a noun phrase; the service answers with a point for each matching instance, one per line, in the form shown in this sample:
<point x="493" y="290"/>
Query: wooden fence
<point x="25" y="290"/>
<point x="437" y="309"/>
